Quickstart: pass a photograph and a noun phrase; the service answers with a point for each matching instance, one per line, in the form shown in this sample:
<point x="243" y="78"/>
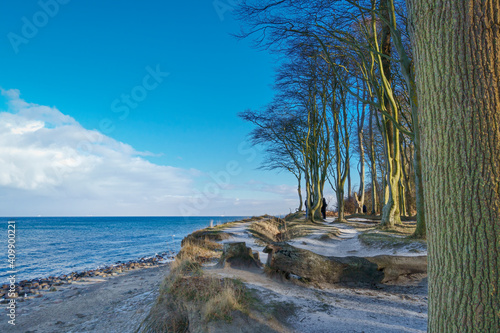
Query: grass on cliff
<point x="200" y="250"/>
<point x="406" y="228"/>
<point x="201" y="246"/>
<point x="273" y="229"/>
<point x="188" y="297"/>
<point x="388" y="240"/>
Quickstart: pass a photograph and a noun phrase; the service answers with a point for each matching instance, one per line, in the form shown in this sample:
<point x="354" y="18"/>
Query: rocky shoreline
<point x="34" y="288"/>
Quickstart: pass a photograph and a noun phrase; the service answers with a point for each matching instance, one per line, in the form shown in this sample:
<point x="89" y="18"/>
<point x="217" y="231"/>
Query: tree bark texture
<point x="299" y="190"/>
<point x="373" y="166"/>
<point x="457" y="49"/>
<point x="360" y="200"/>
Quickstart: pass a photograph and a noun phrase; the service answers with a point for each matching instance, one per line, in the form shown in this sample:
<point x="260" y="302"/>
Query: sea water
<point x="51" y="246"/>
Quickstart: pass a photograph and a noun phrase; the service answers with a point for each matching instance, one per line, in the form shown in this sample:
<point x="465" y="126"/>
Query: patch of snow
<point x="361" y="219"/>
<point x="349" y="244"/>
<point x="240" y="233"/>
<point x="339" y="309"/>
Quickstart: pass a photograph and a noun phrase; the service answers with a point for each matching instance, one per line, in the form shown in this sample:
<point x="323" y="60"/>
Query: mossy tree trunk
<point x="360" y="196"/>
<point x="373" y="165"/>
<point x="408" y="72"/>
<point x="390" y="212"/>
<point x="349" y="186"/>
<point x="457" y="48"/>
<point x="341" y="140"/>
<point x="405" y="181"/>
<point x="420" y="231"/>
<point x="316" y="151"/>
<point x="299" y="190"/>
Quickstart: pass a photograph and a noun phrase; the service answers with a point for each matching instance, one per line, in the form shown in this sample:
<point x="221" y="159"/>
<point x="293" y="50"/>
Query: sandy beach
<point x="110" y="304"/>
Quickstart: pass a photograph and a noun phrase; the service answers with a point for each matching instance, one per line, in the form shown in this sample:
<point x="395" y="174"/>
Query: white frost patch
<point x="361" y="219"/>
<point x="350" y="245"/>
<point x="240" y="233"/>
<point x="333" y="309"/>
<point x="347" y="243"/>
<point x="346" y="310"/>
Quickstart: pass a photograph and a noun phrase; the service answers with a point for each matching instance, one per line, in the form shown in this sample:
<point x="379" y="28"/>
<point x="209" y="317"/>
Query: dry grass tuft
<point x="213" y="234"/>
<point x="186" y="292"/>
<point x="269" y="231"/>
<point x="295" y="216"/>
<point x="188" y="295"/>
<point x="200" y="250"/>
<point x="182" y="266"/>
<point x="226" y="297"/>
<point x="201" y="246"/>
<point x="388" y="240"/>
<point x="275" y="229"/>
<point x="169" y="314"/>
<point x="402" y="229"/>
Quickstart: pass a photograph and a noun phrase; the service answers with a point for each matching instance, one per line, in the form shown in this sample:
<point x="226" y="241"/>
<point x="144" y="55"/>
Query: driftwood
<point x="364" y="270"/>
<point x="238" y="255"/>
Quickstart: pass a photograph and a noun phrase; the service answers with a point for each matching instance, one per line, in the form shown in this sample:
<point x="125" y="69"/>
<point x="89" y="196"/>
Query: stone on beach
<point x="37" y="286"/>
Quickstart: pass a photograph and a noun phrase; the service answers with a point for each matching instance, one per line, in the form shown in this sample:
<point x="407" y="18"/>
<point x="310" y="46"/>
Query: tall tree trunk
<point x="404" y="186"/>
<point x="362" y="177"/>
<point x="457" y="45"/>
<point x="408" y="74"/>
<point x="299" y="190"/>
<point x="308" y="185"/>
<point x="402" y="199"/>
<point x="374" y="195"/>
<point x="340" y="140"/>
<point x="390" y="212"/>
<point x="349" y="187"/>
<point x="373" y="166"/>
<point x="340" y="205"/>
<point x="420" y="231"/>
<point x="361" y="122"/>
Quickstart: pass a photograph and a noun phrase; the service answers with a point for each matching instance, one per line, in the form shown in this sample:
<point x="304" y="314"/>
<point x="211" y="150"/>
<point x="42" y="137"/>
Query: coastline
<point x="87" y="301"/>
<point x="37" y="287"/>
<point x="115" y="303"/>
<point x="107" y="300"/>
<point x="52" y="246"/>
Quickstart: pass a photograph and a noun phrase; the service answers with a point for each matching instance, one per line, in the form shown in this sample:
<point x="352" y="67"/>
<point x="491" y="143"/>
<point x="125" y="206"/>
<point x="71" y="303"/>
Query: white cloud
<point x="51" y="165"/>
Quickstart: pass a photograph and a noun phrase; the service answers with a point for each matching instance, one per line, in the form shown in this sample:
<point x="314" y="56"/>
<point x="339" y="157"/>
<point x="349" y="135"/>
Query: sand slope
<point x="116" y="304"/>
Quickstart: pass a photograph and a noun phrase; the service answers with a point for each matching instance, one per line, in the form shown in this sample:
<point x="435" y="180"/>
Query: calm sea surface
<point x="50" y="246"/>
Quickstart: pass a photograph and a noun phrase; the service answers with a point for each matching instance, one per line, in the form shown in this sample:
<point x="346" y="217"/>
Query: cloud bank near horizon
<point x="52" y="166"/>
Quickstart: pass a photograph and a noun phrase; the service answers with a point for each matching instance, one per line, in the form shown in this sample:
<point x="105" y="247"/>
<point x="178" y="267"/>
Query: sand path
<point x="115" y="304"/>
<point x="348" y="243"/>
<point x="240" y="233"/>
<point x="391" y="309"/>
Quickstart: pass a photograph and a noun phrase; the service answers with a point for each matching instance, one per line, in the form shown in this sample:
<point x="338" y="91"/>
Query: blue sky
<point x="85" y="85"/>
